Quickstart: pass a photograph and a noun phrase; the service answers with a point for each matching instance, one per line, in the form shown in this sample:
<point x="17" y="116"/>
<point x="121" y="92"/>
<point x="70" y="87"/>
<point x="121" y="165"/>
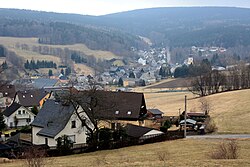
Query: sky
<point x="101" y="7"/>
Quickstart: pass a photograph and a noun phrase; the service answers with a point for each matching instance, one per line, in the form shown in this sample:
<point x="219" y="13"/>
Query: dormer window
<point x="23" y="96"/>
<point x="117" y="112"/>
<point x="129" y="112"/>
<point x="31" y="96"/>
<point x="6" y="93"/>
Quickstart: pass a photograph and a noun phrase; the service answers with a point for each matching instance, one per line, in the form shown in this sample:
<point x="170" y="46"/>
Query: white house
<point x="17" y="115"/>
<point x="55" y="120"/>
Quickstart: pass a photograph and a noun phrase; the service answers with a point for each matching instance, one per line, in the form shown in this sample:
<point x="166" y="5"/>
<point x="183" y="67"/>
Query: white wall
<point x="22" y="121"/>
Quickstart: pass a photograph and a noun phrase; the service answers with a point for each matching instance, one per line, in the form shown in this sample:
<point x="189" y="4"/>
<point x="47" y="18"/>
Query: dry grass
<point x="186" y="152"/>
<point x="230" y="110"/>
<point x="29" y="55"/>
<point x="10" y="42"/>
<point x="83" y="69"/>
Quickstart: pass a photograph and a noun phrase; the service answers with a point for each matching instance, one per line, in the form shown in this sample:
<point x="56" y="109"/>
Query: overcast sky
<point x="100" y="7"/>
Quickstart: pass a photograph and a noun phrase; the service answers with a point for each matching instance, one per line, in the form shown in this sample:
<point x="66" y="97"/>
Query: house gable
<point x="17" y="115"/>
<point x="55" y="120"/>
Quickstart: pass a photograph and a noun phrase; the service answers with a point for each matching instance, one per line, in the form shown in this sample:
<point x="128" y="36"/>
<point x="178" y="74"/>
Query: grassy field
<point x="230" y="110"/>
<point x="83" y="69"/>
<point x="10" y="42"/>
<point x="184" y="152"/>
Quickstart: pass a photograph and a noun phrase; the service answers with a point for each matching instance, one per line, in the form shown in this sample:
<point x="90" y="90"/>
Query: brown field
<point x="230" y="110"/>
<point x="184" y="152"/>
<point x="28" y="55"/>
<point x="171" y="84"/>
<point x="10" y="42"/>
<point x="83" y="69"/>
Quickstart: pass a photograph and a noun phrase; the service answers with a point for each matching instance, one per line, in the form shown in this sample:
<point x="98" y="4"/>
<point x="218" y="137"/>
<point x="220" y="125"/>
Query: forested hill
<point x="53" y="28"/>
<point x="221" y="26"/>
<point x="202" y="26"/>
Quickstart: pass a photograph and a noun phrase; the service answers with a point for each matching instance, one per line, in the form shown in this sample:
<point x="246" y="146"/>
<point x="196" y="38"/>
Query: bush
<point x="26" y="129"/>
<point x="166" y="126"/>
<point x="35" y="157"/>
<point x="210" y="125"/>
<point x="226" y="150"/>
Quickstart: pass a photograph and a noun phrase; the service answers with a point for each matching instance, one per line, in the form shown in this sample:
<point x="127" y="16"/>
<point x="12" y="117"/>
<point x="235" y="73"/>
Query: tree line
<point x="77" y="58"/>
<point x="31" y="65"/>
<point x="208" y="81"/>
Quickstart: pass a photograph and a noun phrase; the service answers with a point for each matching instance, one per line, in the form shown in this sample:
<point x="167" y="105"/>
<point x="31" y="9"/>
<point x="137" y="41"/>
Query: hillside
<point x="30" y="49"/>
<point x="186" y="152"/>
<point x="67" y="33"/>
<point x="230" y="110"/>
<point x="180" y="26"/>
<point x="176" y="26"/>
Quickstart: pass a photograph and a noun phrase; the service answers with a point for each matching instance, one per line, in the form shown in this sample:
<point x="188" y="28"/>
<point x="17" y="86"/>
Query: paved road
<point x="224" y="136"/>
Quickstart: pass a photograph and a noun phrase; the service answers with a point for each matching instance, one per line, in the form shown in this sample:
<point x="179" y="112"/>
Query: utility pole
<point x="185" y="118"/>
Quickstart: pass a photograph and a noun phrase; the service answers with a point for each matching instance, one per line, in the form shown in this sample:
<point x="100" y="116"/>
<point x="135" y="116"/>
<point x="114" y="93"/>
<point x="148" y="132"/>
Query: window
<point x="129" y="113"/>
<point x="23" y="111"/>
<point x="73" y="124"/>
<point x="31" y="96"/>
<point x="28" y="120"/>
<point x="23" y="96"/>
<point x="117" y="112"/>
<point x="19" y="112"/>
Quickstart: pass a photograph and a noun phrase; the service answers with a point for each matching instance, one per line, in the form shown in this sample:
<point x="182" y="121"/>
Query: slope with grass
<point x="230" y="110"/>
<point x="185" y="152"/>
<point x="27" y="54"/>
<point x="11" y="42"/>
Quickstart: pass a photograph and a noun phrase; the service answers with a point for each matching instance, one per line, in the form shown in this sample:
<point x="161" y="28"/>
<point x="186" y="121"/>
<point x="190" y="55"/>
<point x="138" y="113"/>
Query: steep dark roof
<point x="136" y="131"/>
<point x="52" y="118"/>
<point x="118" y="105"/>
<point x="8" y="90"/>
<point x="11" y="109"/>
<point x="155" y="111"/>
<point x="30" y="98"/>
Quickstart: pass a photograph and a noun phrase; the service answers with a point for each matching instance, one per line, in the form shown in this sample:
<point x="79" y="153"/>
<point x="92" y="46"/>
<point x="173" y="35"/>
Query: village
<point x="69" y="113"/>
<point x="160" y="86"/>
<point x="39" y="112"/>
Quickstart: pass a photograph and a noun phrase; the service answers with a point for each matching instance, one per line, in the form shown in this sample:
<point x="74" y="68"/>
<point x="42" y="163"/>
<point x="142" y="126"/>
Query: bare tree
<point x="205" y="105"/>
<point x="91" y="108"/>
